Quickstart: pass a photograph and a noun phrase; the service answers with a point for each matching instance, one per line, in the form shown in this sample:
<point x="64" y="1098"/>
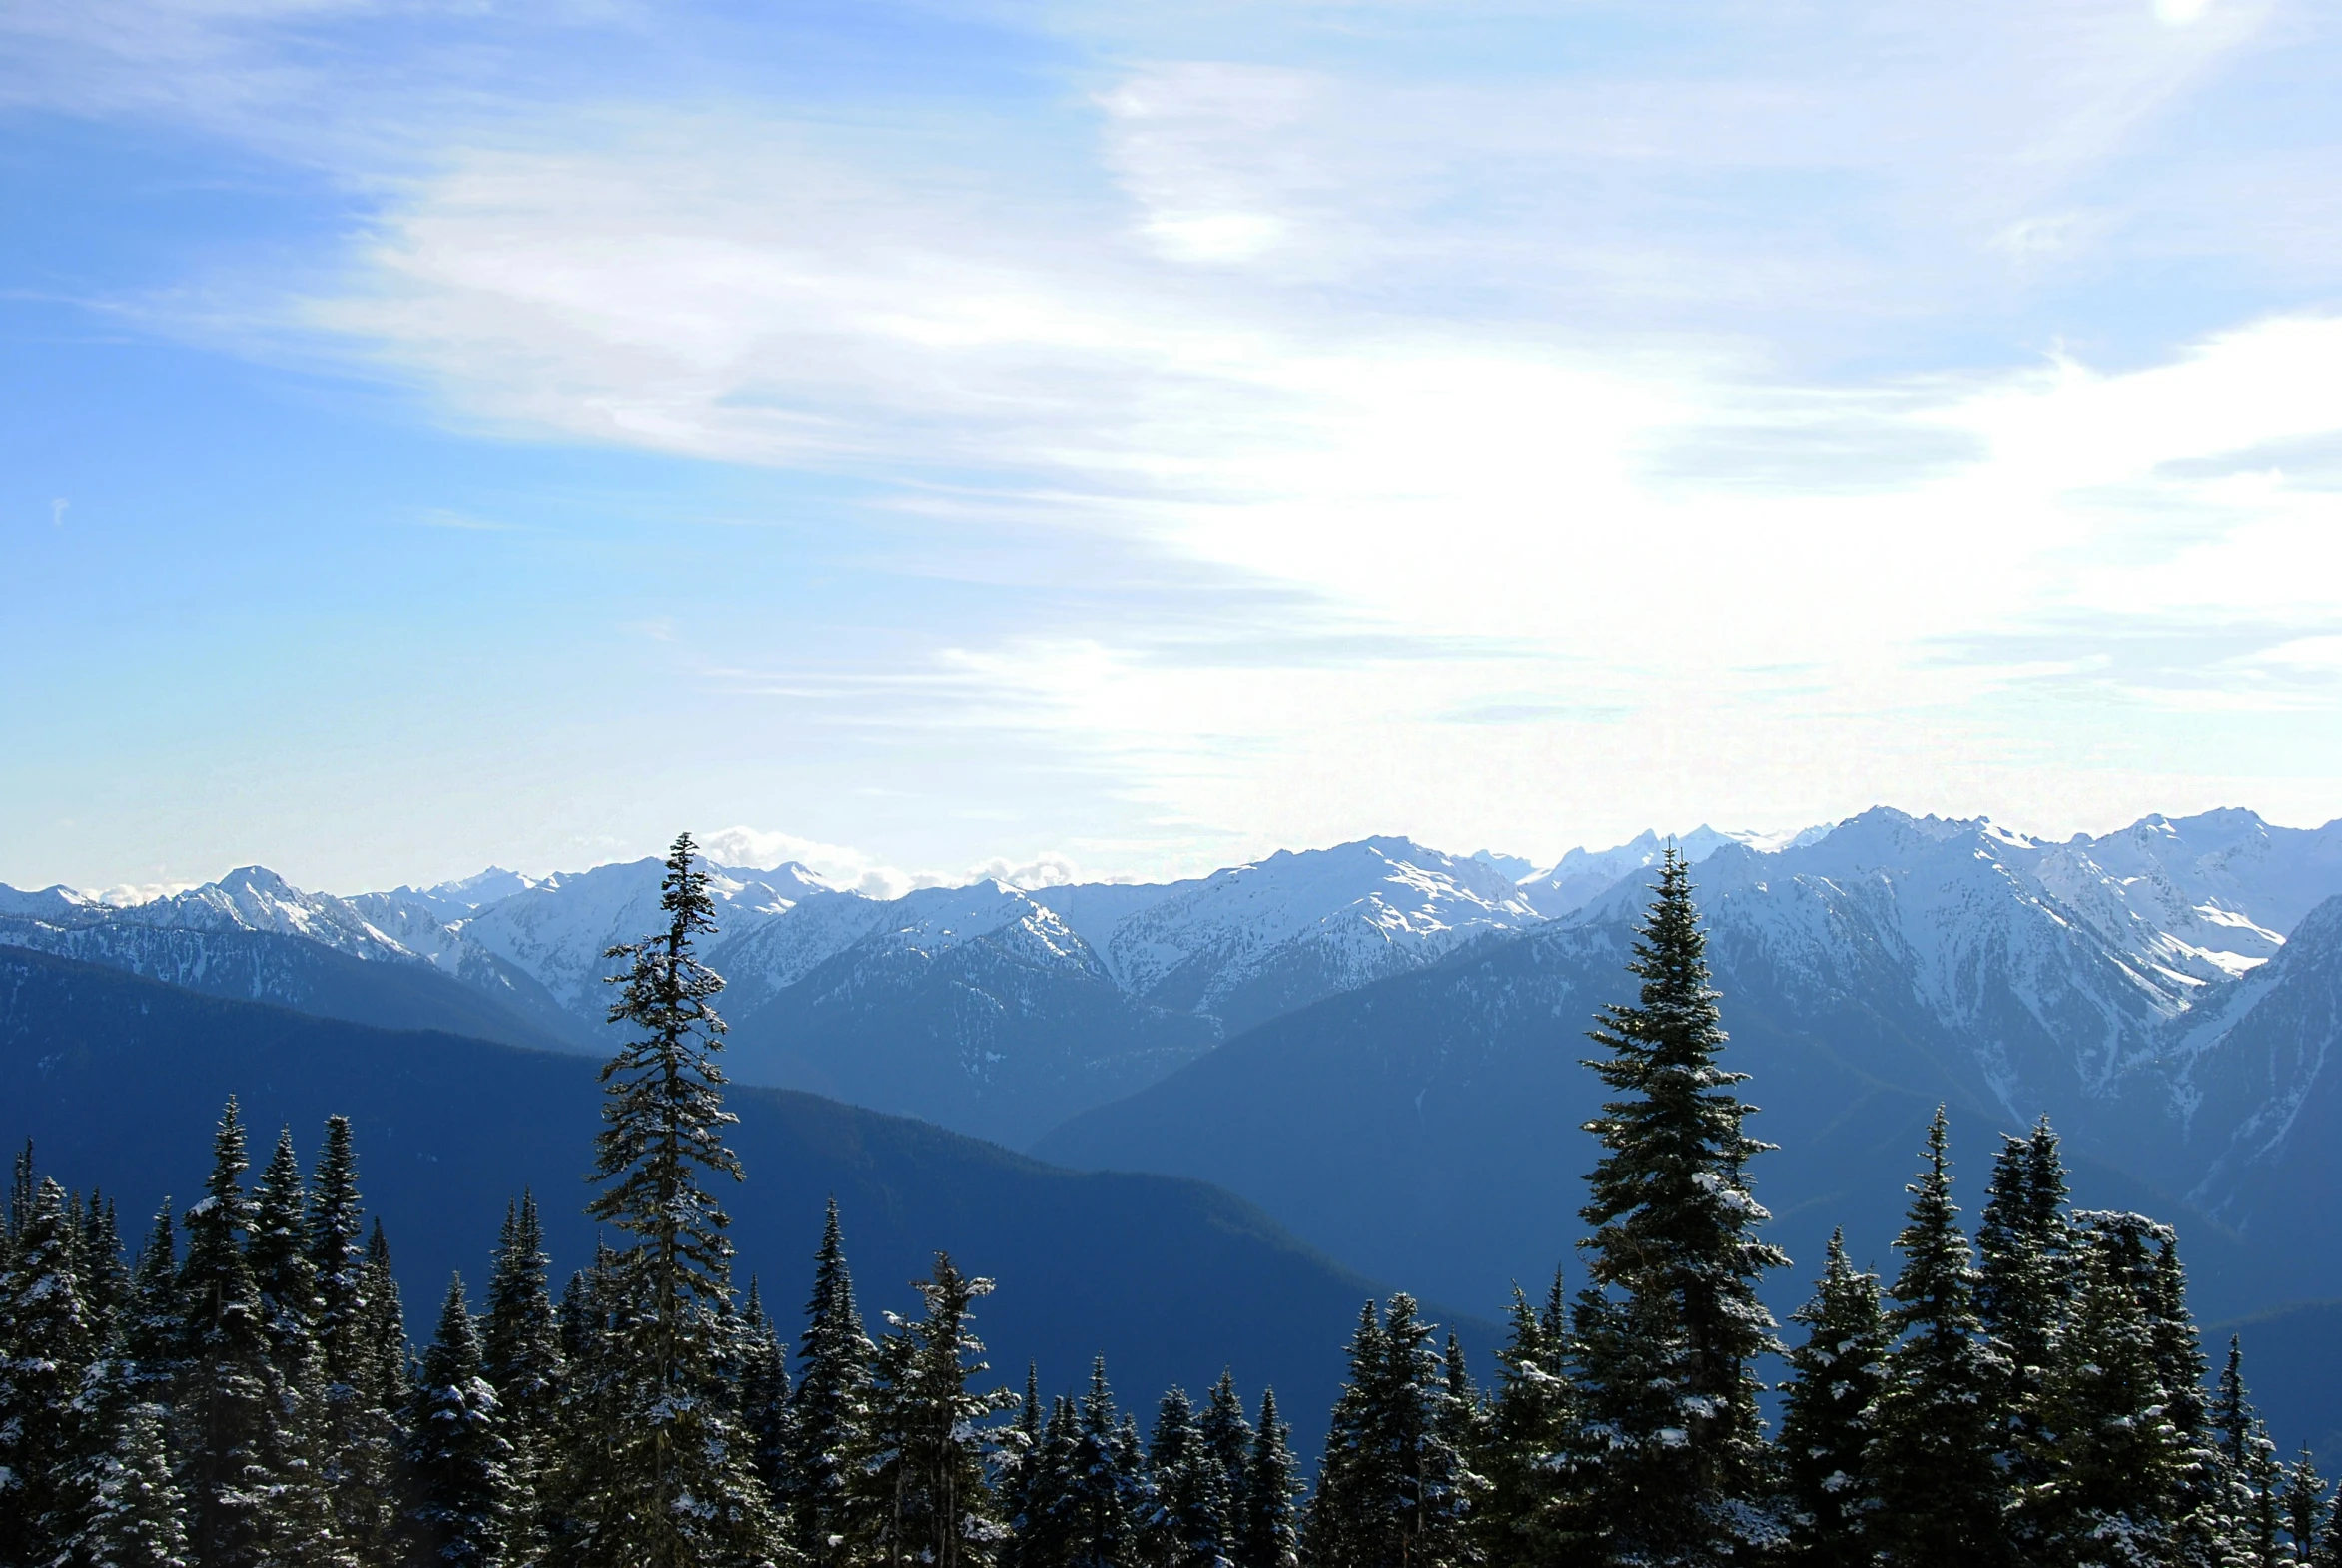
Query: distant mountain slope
<point x="117" y="1080"/>
<point x="1428" y="1126"/>
<point x="291" y="971"/>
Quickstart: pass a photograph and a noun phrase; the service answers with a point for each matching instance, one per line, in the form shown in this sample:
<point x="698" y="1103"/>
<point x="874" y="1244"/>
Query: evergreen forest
<point x="239" y="1390"/>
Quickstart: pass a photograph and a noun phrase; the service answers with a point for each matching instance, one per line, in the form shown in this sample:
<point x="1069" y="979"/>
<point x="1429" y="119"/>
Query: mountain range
<point x="1377" y="1044"/>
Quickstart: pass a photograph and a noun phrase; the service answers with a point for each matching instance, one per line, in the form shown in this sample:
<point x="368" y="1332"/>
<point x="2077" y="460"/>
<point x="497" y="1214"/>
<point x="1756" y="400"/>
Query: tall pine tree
<point x="1269" y="1535"/>
<point x="1936" y="1489"/>
<point x="684" y="1490"/>
<point x="1671" y="1325"/>
<point x="829" y="1409"/>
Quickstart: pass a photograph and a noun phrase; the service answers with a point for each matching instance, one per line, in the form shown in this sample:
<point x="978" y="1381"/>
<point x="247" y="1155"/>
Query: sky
<point x="1080" y="440"/>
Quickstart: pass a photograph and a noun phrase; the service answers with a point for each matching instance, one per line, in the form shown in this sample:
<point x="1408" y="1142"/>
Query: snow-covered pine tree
<point x="1269" y="1533"/>
<point x="2250" y="1472"/>
<point x="829" y="1408"/>
<point x="230" y="1399"/>
<point x="47" y="1338"/>
<point x="1527" y="1446"/>
<point x="363" y="1445"/>
<point x="1015" y="1472"/>
<point x="137" y="1516"/>
<point x="687" y="1492"/>
<point x="1394" y="1490"/>
<point x="301" y="1522"/>
<point x="1050" y="1482"/>
<point x="1188" y="1527"/>
<point x="1826" y="1411"/>
<point x="1937" y="1487"/>
<point x="919" y="1488"/>
<point x="2099" y="1439"/>
<point x="520" y="1355"/>
<point x="2022" y="1283"/>
<point x="459" y="1463"/>
<point x="764" y="1396"/>
<point x="1227" y="1436"/>
<point x="1674" y="1263"/>
<point x="104" y="1275"/>
<point x="2304" y="1506"/>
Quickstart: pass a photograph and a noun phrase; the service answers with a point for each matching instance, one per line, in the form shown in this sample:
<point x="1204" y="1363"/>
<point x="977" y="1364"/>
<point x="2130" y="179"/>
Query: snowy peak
<point x="453" y="901"/>
<point x="1583" y="875"/>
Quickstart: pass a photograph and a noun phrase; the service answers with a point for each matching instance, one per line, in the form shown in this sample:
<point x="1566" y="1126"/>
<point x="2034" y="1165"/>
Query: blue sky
<point x="1132" y="437"/>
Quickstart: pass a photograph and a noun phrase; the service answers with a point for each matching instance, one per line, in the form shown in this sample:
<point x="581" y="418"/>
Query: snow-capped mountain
<point x="2122" y="984"/>
<point x="559" y="928"/>
<point x="2039" y="972"/>
<point x="1253" y="941"/>
<point x="1583" y="875"/>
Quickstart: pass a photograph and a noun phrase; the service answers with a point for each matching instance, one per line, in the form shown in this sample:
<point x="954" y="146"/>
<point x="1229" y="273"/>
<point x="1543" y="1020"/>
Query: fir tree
<point x="47" y="1340"/>
<point x="2200" y="1523"/>
<point x="1189" y="1523"/>
<point x="458" y="1462"/>
<point x="1018" y="1471"/>
<point x="686" y="1487"/>
<point x="920" y="1493"/>
<point x="137" y="1516"/>
<point x="302" y="1521"/>
<point x="1394" y="1491"/>
<point x="2102" y="1441"/>
<point x="522" y="1358"/>
<point x="2023" y="1244"/>
<point x="1826" y="1411"/>
<point x="764" y="1395"/>
<point x="1528" y="1441"/>
<point x="1675" y="1259"/>
<point x="2304" y="1507"/>
<point x="357" y="1319"/>
<point x="1269" y="1533"/>
<point x="230" y="1398"/>
<point x="1227" y="1437"/>
<point x="829" y="1408"/>
<point x="1936" y="1489"/>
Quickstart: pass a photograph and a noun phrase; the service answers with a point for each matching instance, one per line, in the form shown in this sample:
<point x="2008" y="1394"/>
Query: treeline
<point x="2038" y="1396"/>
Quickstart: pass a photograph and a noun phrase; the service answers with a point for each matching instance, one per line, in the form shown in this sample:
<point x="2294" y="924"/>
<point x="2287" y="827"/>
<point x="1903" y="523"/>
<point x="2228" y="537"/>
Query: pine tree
<point x="1393" y="1489"/>
<point x="230" y="1399"/>
<point x="2303" y="1504"/>
<point x="1826" y="1411"/>
<point x="1189" y="1522"/>
<point x="1672" y="1322"/>
<point x="2021" y="1284"/>
<point x="523" y="1361"/>
<point x="361" y="1337"/>
<point x="2101" y="1438"/>
<point x="1937" y="1490"/>
<point x="764" y="1395"/>
<point x="136" y="1515"/>
<point x="1270" y="1534"/>
<point x="920" y="1493"/>
<point x="1227" y="1437"/>
<point x="301" y="1522"/>
<point x="458" y="1462"/>
<point x="1017" y="1474"/>
<point x="1049" y="1482"/>
<point x="829" y="1409"/>
<point x="47" y="1340"/>
<point x="1528" y="1444"/>
<point x="688" y="1489"/>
